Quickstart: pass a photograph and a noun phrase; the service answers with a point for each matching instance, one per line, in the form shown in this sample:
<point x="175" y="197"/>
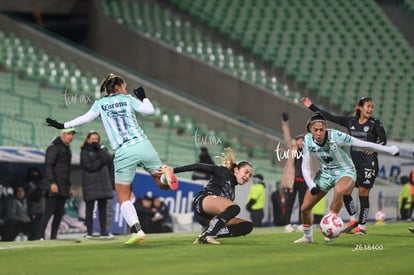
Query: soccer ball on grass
<point x="331" y="226"/>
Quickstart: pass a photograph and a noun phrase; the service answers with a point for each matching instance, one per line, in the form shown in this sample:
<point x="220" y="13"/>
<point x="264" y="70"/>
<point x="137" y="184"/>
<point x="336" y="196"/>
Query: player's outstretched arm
<point x="392" y="150"/>
<point x="203" y="167"/>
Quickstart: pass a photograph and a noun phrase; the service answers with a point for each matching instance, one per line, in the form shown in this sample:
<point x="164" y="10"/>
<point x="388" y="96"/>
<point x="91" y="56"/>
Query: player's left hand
<point x="394" y="150"/>
<point x="315" y="190"/>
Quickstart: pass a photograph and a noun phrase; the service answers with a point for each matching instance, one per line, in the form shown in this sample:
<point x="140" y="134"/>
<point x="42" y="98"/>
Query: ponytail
<point x="228" y="160"/>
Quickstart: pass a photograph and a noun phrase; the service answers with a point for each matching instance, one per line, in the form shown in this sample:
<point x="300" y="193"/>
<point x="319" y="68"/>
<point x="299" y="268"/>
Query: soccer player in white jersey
<point x="131" y="145"/>
<point x="337" y="170"/>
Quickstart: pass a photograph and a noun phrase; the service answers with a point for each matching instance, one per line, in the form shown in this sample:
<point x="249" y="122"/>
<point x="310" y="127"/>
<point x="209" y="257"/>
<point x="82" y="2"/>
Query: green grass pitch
<point x="386" y="249"/>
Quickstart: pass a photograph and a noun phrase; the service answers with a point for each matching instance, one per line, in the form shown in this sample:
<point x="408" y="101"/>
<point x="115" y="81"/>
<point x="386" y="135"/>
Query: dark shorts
<point x="366" y="177"/>
<point x="202" y="217"/>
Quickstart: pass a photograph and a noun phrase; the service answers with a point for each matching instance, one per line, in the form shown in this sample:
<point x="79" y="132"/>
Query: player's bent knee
<point x="241" y="229"/>
<point x="246" y="228"/>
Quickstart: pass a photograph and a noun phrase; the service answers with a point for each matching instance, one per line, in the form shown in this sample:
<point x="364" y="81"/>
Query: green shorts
<point x="128" y="158"/>
<point x="326" y="181"/>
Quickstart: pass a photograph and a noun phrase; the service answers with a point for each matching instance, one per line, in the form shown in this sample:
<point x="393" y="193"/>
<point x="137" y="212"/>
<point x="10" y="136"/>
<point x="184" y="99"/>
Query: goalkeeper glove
<point x="54" y="123"/>
<point x="315" y="190"/>
<point x="285" y="116"/>
<point x="140" y="93"/>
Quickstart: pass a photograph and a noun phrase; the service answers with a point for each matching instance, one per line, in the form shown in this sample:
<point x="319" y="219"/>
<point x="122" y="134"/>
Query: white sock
<point x="353" y="217"/>
<point x="129" y="213"/>
<point x="308" y="231"/>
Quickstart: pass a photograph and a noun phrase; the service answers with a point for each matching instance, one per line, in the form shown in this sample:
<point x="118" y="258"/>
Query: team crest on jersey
<point x="313" y="150"/>
<point x="366" y="128"/>
<point x="332" y="146"/>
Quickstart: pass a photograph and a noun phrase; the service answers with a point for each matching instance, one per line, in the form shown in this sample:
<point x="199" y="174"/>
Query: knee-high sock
<point x="349" y="205"/>
<point x="364" y="209"/>
<point x="130" y="215"/>
<point x="235" y="230"/>
<point x="221" y="220"/>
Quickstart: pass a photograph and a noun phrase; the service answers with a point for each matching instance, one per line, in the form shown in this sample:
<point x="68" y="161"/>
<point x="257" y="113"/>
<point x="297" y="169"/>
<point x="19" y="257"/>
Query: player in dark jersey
<point x="214" y="206"/>
<point x="362" y="126"/>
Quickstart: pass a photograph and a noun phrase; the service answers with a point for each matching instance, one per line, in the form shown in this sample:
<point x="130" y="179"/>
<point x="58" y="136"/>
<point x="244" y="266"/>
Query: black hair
<point x="316" y="117"/>
<point x="90" y="133"/>
<point x="108" y="85"/>
<point x="361" y="103"/>
<point x="240" y="164"/>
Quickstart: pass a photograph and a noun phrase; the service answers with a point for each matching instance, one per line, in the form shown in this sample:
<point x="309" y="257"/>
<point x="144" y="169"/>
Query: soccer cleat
<point x="203" y="239"/>
<point x="327" y="240"/>
<point x="171" y="178"/>
<point x="106" y="236"/>
<point x="350" y="226"/>
<point x="359" y="231"/>
<point x="138" y="237"/>
<point x="304" y="239"/>
<point x="411" y="229"/>
<point x="289" y="228"/>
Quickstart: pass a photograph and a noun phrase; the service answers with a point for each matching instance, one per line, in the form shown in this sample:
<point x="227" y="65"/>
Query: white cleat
<point x="289" y="228"/>
<point x="202" y="239"/>
<point x="328" y="240"/>
<point x="304" y="239"/>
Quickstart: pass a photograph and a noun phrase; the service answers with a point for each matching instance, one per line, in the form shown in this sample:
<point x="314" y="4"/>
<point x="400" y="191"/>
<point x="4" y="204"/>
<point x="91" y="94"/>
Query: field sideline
<point x="386" y="249"/>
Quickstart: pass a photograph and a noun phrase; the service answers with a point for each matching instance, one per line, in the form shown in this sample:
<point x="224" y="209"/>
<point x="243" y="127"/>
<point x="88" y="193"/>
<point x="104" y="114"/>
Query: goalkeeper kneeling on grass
<point x="214" y="207"/>
<point x="337" y="169"/>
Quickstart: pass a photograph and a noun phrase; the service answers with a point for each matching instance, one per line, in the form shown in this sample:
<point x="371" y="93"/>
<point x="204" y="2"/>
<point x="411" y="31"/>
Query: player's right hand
<point x="140" y="93"/>
<point x="306" y="101"/>
<point x="54" y="123"/>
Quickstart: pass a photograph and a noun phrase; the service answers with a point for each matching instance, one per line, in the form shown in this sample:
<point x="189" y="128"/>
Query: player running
<point x="337" y="170"/>
<point x="132" y="147"/>
<point x="362" y="126"/>
<point x="214" y="206"/>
